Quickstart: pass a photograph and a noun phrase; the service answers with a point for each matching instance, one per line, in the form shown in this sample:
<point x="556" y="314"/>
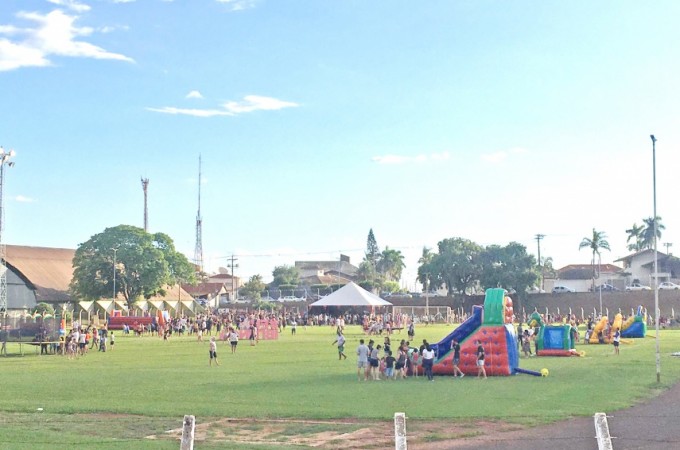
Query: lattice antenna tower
<point x="145" y="187"/>
<point x="198" y="251"/>
<point x="4" y="161"/>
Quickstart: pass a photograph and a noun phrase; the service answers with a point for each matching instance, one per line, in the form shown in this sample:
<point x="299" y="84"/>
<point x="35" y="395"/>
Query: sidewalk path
<point x="653" y="425"/>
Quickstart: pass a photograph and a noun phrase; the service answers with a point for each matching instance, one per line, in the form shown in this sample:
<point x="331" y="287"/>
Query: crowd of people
<point x="77" y="342"/>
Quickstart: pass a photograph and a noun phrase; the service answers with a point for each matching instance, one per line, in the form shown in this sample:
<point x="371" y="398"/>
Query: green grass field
<point x="130" y="397"/>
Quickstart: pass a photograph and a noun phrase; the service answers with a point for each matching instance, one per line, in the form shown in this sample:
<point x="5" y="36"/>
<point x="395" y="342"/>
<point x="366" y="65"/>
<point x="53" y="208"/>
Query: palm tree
<point x="648" y="231"/>
<point x="423" y="270"/>
<point x="635" y="233"/>
<point x="391" y="264"/>
<point x="596" y="243"/>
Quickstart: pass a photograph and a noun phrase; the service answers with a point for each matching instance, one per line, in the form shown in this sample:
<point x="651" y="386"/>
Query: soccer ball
<point x="545" y="372"/>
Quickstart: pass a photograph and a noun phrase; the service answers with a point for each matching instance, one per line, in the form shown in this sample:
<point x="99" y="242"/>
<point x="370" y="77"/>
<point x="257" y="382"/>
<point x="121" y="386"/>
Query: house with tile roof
<point x="640" y="266"/>
<point x="580" y="277"/>
<point x="326" y="272"/>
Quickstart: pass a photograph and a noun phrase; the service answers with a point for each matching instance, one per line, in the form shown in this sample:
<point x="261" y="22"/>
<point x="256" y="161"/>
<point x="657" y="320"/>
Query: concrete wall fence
<point x="669" y="302"/>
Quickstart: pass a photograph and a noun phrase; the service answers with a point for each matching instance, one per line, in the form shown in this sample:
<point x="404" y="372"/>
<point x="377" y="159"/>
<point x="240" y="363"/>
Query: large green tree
<point x="457" y="264"/>
<point x="391" y="264"/>
<point x="285" y="275"/>
<point x="253" y="288"/>
<point x="144" y="265"/>
<point x="509" y="267"/>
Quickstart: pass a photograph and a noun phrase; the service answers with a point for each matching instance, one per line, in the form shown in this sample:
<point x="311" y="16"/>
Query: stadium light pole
<point x="115" y="249"/>
<point x="656" y="262"/>
<point x="4" y="161"/>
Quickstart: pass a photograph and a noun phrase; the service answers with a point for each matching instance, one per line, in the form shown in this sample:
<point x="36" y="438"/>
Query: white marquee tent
<point x="351" y="295"/>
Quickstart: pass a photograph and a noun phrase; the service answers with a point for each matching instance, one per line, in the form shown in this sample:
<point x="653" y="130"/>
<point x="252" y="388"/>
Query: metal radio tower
<point x="4" y="161"/>
<point x="198" y="251"/>
<point x="145" y="187"/>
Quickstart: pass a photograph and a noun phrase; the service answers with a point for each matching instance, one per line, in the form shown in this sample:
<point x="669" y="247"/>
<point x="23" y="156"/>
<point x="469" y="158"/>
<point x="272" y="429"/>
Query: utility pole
<point x="668" y="245"/>
<point x="538" y="238"/>
<point x="198" y="251"/>
<point x="145" y="186"/>
<point x="232" y="265"/>
<point x="656" y="266"/>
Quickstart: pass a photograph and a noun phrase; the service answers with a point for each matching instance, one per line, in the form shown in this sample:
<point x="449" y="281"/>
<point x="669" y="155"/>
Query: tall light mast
<point x="4" y="161"/>
<point x="145" y="187"/>
<point x="198" y="251"/>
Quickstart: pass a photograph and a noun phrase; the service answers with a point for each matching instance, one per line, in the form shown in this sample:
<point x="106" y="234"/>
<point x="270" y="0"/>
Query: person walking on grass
<point x="362" y="360"/>
<point x="455" y="346"/>
<point x="616" y="340"/>
<point x="253" y="333"/>
<point x="481" y="371"/>
<point x="340" y="340"/>
<point x="233" y="339"/>
<point x="213" y="351"/>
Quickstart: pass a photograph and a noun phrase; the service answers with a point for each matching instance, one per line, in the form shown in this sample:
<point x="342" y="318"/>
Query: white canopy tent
<point x="351" y="295"/>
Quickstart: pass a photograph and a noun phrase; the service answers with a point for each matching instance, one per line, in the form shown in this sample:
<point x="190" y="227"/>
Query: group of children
<point x="400" y="363"/>
<point x="76" y="342"/>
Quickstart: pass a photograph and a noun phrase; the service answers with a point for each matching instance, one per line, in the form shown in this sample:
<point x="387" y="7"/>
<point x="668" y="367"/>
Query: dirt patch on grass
<point x="349" y="434"/>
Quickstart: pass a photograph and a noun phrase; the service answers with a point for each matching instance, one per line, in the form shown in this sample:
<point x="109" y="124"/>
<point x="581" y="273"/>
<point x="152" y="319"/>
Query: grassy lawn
<point x="131" y="397"/>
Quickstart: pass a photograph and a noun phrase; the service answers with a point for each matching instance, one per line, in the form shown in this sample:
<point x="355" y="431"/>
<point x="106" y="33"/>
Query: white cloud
<point x="194" y="94"/>
<point x="500" y="156"/>
<point x="71" y="4"/>
<point x="402" y="159"/>
<point x="238" y="5"/>
<point x="55" y="35"/>
<point x="13" y="56"/>
<point x="191" y="112"/>
<point x="23" y="199"/>
<point x="251" y="103"/>
<point x="255" y="103"/>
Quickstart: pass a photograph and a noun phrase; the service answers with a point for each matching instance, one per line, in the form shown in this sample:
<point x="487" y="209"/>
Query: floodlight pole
<point x="4" y="161"/>
<point x="656" y="272"/>
<point x="114" y="275"/>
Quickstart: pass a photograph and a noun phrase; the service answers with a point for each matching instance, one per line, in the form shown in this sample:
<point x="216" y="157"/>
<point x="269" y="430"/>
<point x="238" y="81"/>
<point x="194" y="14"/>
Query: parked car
<point x="535" y="290"/>
<point x="668" y="285"/>
<point x="292" y="298"/>
<point x="562" y="290"/>
<point x="638" y="287"/>
<point x="605" y="288"/>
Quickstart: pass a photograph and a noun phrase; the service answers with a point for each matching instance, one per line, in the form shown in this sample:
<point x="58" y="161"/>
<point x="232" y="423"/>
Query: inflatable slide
<point x="636" y="325"/>
<point x="553" y="340"/>
<point x="492" y="325"/>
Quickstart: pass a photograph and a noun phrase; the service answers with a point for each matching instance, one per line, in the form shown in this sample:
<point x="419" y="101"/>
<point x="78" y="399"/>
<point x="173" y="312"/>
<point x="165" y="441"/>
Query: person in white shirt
<point x="362" y="360"/>
<point x="428" y="361"/>
<point x="341" y="345"/>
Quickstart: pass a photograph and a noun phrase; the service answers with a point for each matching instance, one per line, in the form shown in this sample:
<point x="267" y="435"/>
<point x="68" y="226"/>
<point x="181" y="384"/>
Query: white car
<point x="638" y="287"/>
<point x="562" y="290"/>
<point x="668" y="285"/>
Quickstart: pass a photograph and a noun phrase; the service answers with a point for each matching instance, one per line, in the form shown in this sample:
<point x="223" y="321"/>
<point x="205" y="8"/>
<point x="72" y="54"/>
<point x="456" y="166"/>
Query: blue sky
<point x="318" y="120"/>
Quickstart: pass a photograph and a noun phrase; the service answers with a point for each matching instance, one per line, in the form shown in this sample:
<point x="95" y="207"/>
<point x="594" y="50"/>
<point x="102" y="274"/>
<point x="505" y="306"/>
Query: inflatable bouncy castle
<point x="553" y="340"/>
<point x="635" y="326"/>
<point x="492" y="325"/>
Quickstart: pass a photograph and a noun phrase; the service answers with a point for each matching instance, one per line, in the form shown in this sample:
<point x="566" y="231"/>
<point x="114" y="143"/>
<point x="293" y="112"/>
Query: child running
<point x="213" y="351"/>
<point x="340" y="340"/>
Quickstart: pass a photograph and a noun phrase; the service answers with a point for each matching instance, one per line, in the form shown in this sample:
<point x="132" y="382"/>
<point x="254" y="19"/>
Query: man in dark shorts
<point x="616" y="340"/>
<point x="455" y="346"/>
